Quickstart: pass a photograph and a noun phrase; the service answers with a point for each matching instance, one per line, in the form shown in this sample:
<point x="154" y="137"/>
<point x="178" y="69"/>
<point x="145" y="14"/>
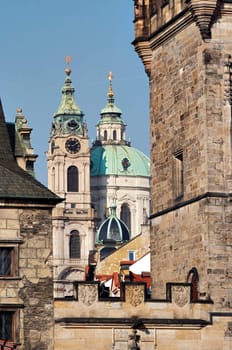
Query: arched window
<point x="72" y="178"/>
<point x="125" y="215"/>
<point x="114" y="135"/>
<point x="193" y="278"/>
<point x="74" y="245"/>
<point x="105" y="135"/>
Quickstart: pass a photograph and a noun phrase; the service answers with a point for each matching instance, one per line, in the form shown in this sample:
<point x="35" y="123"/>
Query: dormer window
<point x="30" y="165"/>
<point x="125" y="163"/>
<point x="26" y="137"/>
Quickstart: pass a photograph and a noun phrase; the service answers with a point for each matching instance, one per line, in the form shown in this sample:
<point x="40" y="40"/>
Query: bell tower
<point x="68" y="160"/>
<point x="186" y="49"/>
<point x="111" y="129"/>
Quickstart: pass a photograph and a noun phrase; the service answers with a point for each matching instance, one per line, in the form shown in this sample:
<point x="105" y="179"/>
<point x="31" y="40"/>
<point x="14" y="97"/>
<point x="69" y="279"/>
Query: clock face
<point x="72" y="124"/>
<point x="72" y="145"/>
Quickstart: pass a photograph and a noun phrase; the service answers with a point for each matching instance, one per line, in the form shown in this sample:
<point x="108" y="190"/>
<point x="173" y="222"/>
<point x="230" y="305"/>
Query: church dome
<point x="111" y="154"/>
<point x="111" y="110"/>
<point x="119" y="160"/>
<point x="112" y="230"/>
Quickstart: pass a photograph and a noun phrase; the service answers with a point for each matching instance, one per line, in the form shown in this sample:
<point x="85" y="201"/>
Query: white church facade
<point x="90" y="178"/>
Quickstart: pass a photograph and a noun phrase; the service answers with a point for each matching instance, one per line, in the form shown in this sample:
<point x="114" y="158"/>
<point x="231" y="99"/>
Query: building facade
<point x="26" y="279"/>
<point x="90" y="179"/>
<point x="186" y="48"/>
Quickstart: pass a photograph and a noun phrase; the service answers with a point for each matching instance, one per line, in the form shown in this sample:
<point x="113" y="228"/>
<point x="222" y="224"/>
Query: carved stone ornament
<point x="135" y="295"/>
<point x="180" y="295"/>
<point x="87" y="294"/>
<point x="33" y="222"/>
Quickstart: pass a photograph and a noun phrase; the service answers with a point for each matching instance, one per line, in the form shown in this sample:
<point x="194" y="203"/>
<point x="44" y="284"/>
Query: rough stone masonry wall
<point x="31" y="287"/>
<point x="219" y="265"/>
<point x="190" y="110"/>
<point x="178" y="243"/>
<point x="189" y="89"/>
<point x="178" y="117"/>
<point x="196" y="235"/>
<point x="37" y="286"/>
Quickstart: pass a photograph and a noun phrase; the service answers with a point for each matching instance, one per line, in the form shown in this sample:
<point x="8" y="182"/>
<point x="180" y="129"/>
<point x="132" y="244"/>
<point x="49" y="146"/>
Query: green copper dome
<point x="113" y="229"/>
<point x="110" y="109"/>
<point x="111" y="154"/>
<point x="118" y="160"/>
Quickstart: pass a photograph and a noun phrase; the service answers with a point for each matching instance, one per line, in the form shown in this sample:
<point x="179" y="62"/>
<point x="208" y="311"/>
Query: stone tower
<point x="68" y="161"/>
<point x="186" y="49"/>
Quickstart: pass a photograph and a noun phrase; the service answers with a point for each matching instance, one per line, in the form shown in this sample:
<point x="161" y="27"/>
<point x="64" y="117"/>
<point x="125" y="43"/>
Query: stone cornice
<point x="204" y="13"/>
<point x="144" y="45"/>
<point x="143" y="49"/>
<point x="169" y="29"/>
<point x="227" y="196"/>
<point x="128" y="322"/>
<point x="12" y="241"/>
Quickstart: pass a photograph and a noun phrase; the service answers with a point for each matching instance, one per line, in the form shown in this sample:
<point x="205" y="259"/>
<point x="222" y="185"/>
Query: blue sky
<point x="35" y="37"/>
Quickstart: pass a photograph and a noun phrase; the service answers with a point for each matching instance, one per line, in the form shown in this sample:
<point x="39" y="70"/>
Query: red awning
<point x="7" y="345"/>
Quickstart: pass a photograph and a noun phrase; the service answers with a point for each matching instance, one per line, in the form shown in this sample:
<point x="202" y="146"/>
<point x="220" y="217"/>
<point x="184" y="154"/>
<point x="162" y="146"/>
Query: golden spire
<point x="110" y="91"/>
<point x="68" y="59"/>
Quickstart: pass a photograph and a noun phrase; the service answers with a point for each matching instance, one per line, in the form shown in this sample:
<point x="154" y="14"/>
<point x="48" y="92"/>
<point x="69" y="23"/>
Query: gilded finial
<point x="19" y="110"/>
<point x="110" y="76"/>
<point x="110" y="91"/>
<point x="68" y="59"/>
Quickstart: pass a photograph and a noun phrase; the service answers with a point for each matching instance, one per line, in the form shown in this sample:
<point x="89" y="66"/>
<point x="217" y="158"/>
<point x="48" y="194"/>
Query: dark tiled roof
<point x="14" y="140"/>
<point x="11" y="133"/>
<point x="15" y="183"/>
